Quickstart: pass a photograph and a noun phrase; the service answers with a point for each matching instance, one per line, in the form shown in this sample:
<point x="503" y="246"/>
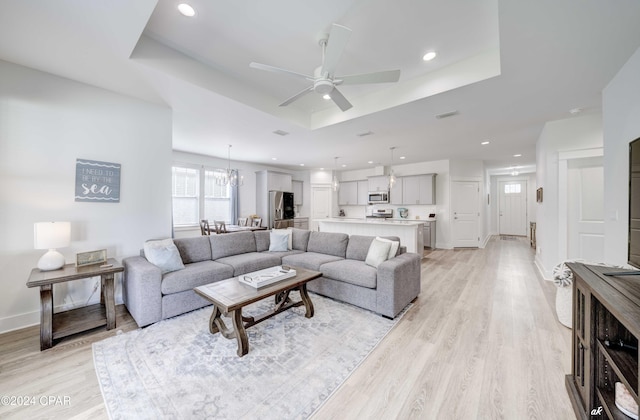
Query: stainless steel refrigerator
<point x="281" y="209"/>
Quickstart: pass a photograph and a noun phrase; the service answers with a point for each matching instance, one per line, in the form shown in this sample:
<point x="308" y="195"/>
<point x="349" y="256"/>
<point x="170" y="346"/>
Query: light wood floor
<point x="481" y="341"/>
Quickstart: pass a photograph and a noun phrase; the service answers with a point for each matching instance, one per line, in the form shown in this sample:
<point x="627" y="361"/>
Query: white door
<point x="512" y="208"/>
<point x="320" y="205"/>
<point x="585" y="207"/>
<point x="465" y="213"/>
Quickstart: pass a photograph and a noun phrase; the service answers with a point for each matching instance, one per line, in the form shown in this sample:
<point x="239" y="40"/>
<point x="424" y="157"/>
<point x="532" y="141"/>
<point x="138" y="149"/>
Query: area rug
<point x="177" y="369"/>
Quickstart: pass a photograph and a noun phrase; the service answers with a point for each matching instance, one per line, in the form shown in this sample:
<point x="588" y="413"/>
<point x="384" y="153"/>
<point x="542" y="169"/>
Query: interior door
<point x="320" y="205"/>
<point x="465" y="209"/>
<point x="585" y="207"/>
<point x="512" y="208"/>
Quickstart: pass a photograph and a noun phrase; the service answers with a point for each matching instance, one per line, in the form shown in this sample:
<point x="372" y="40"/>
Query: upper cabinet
<point x="297" y="192"/>
<point x="419" y="189"/>
<point x="363" y="192"/>
<point x="273" y="181"/>
<point x="378" y="183"/>
<point x="348" y="193"/>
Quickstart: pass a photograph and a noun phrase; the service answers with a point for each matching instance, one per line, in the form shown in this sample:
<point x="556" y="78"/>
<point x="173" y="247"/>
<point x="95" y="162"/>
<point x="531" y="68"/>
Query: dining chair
<point x="220" y="226"/>
<point x="242" y="221"/>
<point x="204" y="227"/>
<point x="256" y="222"/>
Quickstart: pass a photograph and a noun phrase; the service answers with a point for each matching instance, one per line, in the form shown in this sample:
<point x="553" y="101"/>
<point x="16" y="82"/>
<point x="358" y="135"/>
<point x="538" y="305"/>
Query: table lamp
<point x="51" y="235"/>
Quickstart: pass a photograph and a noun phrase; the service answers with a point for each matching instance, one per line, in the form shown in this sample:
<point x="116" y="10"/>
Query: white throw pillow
<point x="280" y="240"/>
<point x="163" y="254"/>
<point x="394" y="246"/>
<point x="378" y="252"/>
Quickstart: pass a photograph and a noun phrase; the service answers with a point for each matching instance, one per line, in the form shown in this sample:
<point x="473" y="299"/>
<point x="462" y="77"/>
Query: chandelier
<point x="392" y="176"/>
<point x="229" y="176"/>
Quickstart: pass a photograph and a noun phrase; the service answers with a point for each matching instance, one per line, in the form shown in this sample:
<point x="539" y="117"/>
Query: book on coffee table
<point x="267" y="276"/>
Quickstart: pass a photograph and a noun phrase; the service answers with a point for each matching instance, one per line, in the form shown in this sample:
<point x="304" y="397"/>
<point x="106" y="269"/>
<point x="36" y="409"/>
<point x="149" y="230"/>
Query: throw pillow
<point x="164" y="255"/>
<point x="279" y="240"/>
<point x="394" y="246"/>
<point x="378" y="252"/>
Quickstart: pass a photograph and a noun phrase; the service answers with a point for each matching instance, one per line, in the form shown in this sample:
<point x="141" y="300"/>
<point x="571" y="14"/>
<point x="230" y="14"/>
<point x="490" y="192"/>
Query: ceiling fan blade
<point x="340" y="100"/>
<point x="389" y="76"/>
<point x="297" y="96"/>
<point x="279" y="70"/>
<point x="336" y="43"/>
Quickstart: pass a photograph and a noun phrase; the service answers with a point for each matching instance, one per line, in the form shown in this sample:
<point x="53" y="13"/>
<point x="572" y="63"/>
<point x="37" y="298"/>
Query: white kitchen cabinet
<point x="363" y="193"/>
<point x="378" y="183"/>
<point x="396" y="192"/>
<point x="418" y="189"/>
<point x="348" y="193"/>
<point x="297" y="192"/>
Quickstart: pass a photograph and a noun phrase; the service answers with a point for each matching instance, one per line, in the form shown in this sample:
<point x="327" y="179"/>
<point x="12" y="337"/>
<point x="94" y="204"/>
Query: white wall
<point x="46" y="123"/>
<point x="577" y="133"/>
<point x="621" y="122"/>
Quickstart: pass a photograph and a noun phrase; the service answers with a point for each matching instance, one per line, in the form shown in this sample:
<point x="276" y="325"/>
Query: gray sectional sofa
<point x="151" y="295"/>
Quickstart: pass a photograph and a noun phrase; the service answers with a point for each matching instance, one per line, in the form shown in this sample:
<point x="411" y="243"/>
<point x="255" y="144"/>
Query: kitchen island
<point x="410" y="232"/>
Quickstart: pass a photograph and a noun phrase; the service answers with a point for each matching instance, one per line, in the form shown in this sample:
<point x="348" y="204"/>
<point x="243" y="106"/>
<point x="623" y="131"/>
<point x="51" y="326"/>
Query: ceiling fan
<point x="324" y="80"/>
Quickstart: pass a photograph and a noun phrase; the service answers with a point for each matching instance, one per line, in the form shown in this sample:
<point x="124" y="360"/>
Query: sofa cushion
<point x="194" y="275"/>
<point x="194" y="249"/>
<point x="395" y="246"/>
<point x="299" y="239"/>
<point x="328" y="243"/>
<point x="351" y="271"/>
<point x="163" y="254"/>
<point x="378" y="252"/>
<point x="228" y="244"/>
<point x="253" y="261"/>
<point x="309" y="260"/>
<point x="281" y="254"/>
<point x="280" y="240"/>
<point x="262" y="238"/>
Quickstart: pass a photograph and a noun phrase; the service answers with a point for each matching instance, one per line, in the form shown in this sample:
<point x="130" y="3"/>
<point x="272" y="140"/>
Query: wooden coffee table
<point x="230" y="296"/>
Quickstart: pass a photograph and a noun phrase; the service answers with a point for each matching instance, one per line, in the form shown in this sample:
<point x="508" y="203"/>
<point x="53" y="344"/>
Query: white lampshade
<point x="51" y="235"/>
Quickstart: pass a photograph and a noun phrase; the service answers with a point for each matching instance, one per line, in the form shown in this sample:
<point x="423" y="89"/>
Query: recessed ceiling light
<point x="186" y="10"/>
<point x="517" y="155"/>
<point x="322" y="169"/>
<point x="484" y="143"/>
<point x="326" y="97"/>
<point x="274" y="158"/>
<point x="575" y="111"/>
<point x="429" y="56"/>
<point x="344" y="166"/>
<point x="302" y="164"/>
<point x="403" y="157"/>
<point x="370" y="162"/>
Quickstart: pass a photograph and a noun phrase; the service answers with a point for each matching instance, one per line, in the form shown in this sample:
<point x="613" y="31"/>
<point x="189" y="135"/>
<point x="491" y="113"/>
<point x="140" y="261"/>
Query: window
<point x="196" y="196"/>
<point x="512" y="189"/>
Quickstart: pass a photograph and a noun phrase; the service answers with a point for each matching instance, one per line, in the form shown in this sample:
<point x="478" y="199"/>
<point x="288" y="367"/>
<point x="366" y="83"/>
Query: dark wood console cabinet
<point x="606" y="309"/>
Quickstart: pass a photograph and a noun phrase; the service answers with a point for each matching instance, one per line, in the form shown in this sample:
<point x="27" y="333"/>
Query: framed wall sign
<point x="91" y="258"/>
<point x="97" y="182"/>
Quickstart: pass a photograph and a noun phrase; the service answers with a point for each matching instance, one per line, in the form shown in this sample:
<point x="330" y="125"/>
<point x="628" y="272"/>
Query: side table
<point x="62" y="324"/>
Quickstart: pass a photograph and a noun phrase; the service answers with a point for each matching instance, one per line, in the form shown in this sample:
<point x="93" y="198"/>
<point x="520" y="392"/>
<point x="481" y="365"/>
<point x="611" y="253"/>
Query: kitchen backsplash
<point x="361" y="212"/>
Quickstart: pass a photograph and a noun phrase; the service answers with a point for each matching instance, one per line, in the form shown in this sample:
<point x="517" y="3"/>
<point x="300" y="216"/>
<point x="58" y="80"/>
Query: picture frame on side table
<point x="84" y="259"/>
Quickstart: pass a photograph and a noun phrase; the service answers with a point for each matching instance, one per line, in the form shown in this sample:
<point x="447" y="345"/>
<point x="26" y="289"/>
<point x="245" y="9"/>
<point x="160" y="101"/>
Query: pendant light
<point x="229" y="176"/>
<point x="392" y="176"/>
<point x="335" y="184"/>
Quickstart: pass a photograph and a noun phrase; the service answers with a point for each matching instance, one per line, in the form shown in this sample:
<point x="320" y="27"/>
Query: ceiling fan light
<point x="326" y="97"/>
<point x="186" y="10"/>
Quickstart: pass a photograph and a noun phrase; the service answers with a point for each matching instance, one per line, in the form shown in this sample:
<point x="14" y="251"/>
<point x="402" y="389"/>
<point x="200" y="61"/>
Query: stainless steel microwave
<point x="378" y="197"/>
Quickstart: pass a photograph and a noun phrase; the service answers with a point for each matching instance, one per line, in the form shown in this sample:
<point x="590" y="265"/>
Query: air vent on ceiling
<point x="446" y="114"/>
<point x="280" y="132"/>
<point x="367" y="133"/>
